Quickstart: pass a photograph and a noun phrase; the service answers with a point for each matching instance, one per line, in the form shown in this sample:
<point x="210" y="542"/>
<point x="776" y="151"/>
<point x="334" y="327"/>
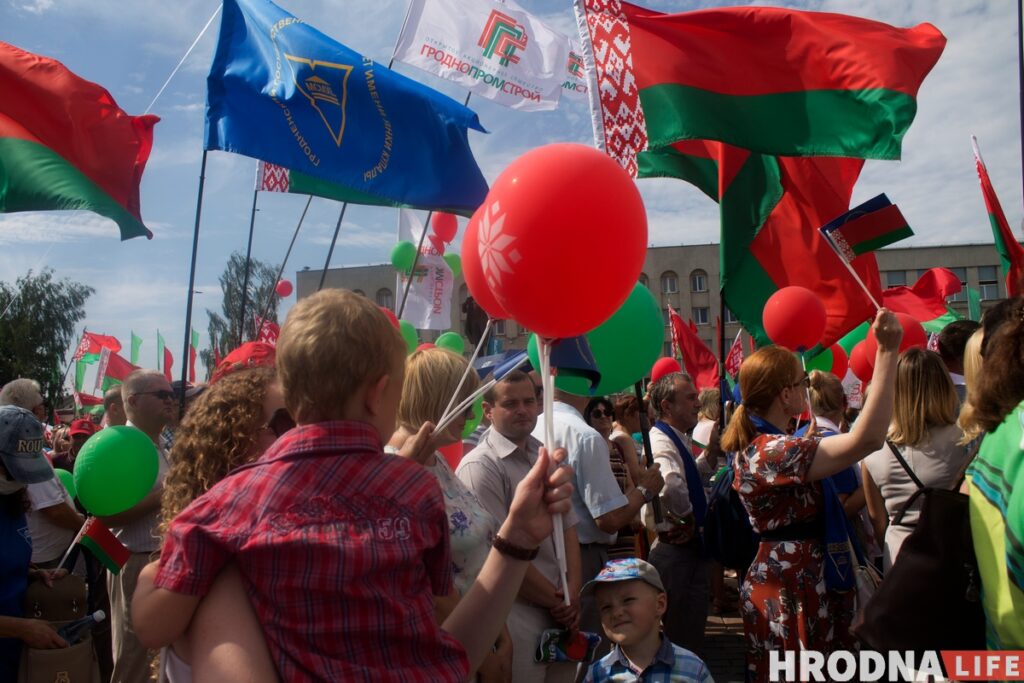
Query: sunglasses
<point x="162" y="395"/>
<point x="598" y="413"/>
<point x="280" y="422"/>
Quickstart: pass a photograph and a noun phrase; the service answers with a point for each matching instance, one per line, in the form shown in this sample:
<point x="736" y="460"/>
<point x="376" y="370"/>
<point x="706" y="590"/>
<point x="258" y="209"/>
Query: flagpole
<point x="1020" y="73"/>
<point x="248" y="257"/>
<point x="645" y="436"/>
<point x="280" y="270"/>
<point x="334" y="240"/>
<point x="722" y="381"/>
<point x="191" y="286"/>
<point x="849" y="267"/>
<point x="71" y="547"/>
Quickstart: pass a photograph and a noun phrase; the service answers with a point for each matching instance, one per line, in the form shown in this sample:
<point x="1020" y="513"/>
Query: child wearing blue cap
<point x="631" y="601"/>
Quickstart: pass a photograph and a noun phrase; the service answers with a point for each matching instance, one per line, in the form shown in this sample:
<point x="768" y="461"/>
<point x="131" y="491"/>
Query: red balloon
<point x="437" y="243"/>
<point x="859" y="363"/>
<point x="445" y="226"/>
<point x="664" y="366"/>
<point x="560" y="239"/>
<point x="391" y="316"/>
<point x="283" y="288"/>
<point x="913" y="335"/>
<point x="840" y="361"/>
<point x="473" y="274"/>
<point x="426" y="345"/>
<point x="794" y="317"/>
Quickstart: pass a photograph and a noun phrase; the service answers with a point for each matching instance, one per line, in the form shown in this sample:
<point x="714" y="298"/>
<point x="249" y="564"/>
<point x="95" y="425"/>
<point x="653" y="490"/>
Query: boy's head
<point x="340" y="358"/>
<point x="630" y="599"/>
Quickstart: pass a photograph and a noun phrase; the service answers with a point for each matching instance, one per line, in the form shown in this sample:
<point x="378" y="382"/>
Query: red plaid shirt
<point x="341" y="548"/>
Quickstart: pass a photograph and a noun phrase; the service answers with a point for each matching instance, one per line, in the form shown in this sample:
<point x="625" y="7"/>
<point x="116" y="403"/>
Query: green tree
<point x="227" y="327"/>
<point x="38" y="317"/>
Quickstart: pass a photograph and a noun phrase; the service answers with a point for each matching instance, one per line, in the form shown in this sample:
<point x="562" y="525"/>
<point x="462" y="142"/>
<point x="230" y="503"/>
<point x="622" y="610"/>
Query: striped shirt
<point x="341" y="548"/>
<point x="672" y="664"/>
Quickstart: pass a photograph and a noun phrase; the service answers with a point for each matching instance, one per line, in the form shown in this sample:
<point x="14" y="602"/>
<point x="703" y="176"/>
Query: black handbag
<point x="930" y="598"/>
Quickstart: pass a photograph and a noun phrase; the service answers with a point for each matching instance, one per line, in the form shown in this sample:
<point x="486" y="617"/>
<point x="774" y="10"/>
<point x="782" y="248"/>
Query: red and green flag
<point x="164" y="359"/>
<point x="925" y="300"/>
<point x="112" y="370"/>
<point x="696" y="357"/>
<point x="89" y="347"/>
<point x="104" y="546"/>
<point x="875" y="224"/>
<point x="136" y="347"/>
<point x="1011" y="254"/>
<point x="66" y="145"/>
<point x="193" y="351"/>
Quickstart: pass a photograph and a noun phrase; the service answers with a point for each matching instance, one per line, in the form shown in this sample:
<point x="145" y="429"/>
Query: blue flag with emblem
<point x="281" y="91"/>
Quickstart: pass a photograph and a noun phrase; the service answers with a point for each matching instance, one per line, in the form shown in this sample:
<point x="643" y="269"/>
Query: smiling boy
<point x="631" y="601"/>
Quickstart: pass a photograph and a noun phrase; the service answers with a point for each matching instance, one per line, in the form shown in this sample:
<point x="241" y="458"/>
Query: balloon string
<point x="469" y="367"/>
<point x="558" y="529"/>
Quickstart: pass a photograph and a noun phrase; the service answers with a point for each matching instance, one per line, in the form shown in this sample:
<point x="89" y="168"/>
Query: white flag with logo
<point x="430" y="297"/>
<point x="575" y="83"/>
<point x="497" y="51"/>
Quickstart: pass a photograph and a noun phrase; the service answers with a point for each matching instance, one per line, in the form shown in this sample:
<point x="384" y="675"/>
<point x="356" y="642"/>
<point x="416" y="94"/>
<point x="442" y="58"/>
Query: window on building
<point x="499" y="328"/>
<point x="895" y="278"/>
<point x="698" y="281"/>
<point x="359" y="292"/>
<point x="962" y="294"/>
<point x="667" y="351"/>
<point x="643" y="279"/>
<point x="385" y="298"/>
<point x="665" y="317"/>
<point x="730" y="317"/>
<point x="988" y="282"/>
<point x="700" y="315"/>
<point x="669" y="283"/>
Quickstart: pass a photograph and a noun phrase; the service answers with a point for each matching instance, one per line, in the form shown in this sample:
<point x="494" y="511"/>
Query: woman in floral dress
<point x="785" y="601"/>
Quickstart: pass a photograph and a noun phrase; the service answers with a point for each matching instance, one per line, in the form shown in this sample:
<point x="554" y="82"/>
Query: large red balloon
<point x="473" y="274"/>
<point x="840" y="361"/>
<point x="664" y="366"/>
<point x="794" y="317"/>
<point x="283" y="288"/>
<point x="445" y="226"/>
<point x="859" y="363"/>
<point x="913" y="335"/>
<point x="561" y="239"/>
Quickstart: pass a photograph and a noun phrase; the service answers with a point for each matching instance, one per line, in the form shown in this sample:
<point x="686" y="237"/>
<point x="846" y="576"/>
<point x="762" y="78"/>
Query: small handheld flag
<point x="102" y="544"/>
<point x="874" y="224"/>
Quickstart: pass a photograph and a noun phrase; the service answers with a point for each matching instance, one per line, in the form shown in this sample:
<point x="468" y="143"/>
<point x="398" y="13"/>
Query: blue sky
<point x="130" y="47"/>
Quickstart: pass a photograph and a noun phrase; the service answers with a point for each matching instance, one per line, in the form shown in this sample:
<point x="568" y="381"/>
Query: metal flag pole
<point x="191" y="286"/>
<point x="330" y="252"/>
<point x="248" y="260"/>
<point x="280" y="270"/>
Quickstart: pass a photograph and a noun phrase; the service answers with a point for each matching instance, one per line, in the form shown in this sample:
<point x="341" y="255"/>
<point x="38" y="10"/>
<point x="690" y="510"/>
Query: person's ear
<point x="487" y="410"/>
<point x="374" y="397"/>
<point x="662" y="604"/>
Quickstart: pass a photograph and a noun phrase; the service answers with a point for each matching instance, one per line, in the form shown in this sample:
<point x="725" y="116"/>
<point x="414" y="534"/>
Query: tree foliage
<point x="38" y="317"/>
<point x="227" y="327"/>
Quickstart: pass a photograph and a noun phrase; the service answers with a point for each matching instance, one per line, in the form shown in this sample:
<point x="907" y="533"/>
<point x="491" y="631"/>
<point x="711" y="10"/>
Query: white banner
<point x="430" y="296"/>
<point x="101" y="369"/>
<point x="494" y="50"/>
<point x="575" y="83"/>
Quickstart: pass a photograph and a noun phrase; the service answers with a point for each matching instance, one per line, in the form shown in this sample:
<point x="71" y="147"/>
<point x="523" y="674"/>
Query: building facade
<point x="687" y="278"/>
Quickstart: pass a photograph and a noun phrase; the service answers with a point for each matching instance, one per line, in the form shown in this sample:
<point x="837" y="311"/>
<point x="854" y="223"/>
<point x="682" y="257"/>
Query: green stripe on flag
<point x="868" y="123"/>
<point x="136" y="345"/>
<point x="669" y="163"/>
<point x="80" y="367"/>
<point x="100" y="554"/>
<point x="937" y="324"/>
<point x="973" y="304"/>
<point x="883" y="241"/>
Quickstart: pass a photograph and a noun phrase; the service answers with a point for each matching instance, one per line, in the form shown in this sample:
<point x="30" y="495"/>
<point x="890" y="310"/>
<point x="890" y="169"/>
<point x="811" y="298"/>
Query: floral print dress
<point x="784" y="601"/>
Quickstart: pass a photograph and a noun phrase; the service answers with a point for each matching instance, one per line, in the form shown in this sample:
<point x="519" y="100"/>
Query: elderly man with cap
<point x="22" y="463"/>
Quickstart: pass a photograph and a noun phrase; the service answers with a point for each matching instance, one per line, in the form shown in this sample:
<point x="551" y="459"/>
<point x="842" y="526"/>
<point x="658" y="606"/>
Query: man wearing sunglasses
<point x="149" y="404"/>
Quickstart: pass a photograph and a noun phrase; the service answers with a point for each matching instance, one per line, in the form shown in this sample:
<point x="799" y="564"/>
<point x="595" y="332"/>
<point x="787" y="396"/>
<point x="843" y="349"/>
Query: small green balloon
<point x="412" y="340"/>
<point x="854" y="337"/>
<point x="474" y="422"/>
<point x="403" y="255"/>
<point x="115" y="469"/>
<point x="68" y="480"/>
<point x="823" y="361"/>
<point x="452" y="341"/>
<point x="454" y="262"/>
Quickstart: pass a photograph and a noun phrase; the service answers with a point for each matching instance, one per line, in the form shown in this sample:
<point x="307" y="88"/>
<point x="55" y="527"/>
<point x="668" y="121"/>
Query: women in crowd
<point x="925" y="433"/>
<point x="789" y="601"/>
<point x="967" y="420"/>
<point x="599" y="414"/>
<point x="431" y="377"/>
<point x="230" y="425"/>
<point x="624" y="426"/>
<point x="997" y="475"/>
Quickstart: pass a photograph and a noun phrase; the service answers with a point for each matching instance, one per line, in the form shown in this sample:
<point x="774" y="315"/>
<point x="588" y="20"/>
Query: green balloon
<point x="403" y="255"/>
<point x="412" y="339"/>
<point x="115" y="469"/>
<point x="452" y="341"/>
<point x="474" y="422"/>
<point x="68" y="480"/>
<point x="823" y="361"/>
<point x="854" y="337"/>
<point x="625" y="346"/>
<point x="454" y="262"/>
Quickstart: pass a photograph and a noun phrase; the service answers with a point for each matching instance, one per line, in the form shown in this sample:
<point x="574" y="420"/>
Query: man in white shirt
<point x="150" y="405"/>
<point x="679" y="553"/>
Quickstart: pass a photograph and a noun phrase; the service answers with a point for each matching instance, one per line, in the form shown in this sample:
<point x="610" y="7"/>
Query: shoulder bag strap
<point x="899" y="456"/>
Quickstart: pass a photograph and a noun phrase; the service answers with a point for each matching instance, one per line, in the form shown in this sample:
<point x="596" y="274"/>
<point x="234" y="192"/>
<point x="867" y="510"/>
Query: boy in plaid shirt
<point x="340" y="546"/>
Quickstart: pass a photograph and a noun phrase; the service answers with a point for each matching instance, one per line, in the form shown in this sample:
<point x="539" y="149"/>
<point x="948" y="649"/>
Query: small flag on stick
<point x="102" y="544"/>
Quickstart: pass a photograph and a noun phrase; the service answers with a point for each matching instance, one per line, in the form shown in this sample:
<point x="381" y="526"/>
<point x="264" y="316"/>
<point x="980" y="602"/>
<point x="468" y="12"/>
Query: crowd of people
<point x="305" y="524"/>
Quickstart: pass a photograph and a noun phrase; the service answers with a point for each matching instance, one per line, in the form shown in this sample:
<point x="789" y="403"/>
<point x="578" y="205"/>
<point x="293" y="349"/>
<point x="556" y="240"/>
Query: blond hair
<point x="332" y="344"/>
<point x="710" y="403"/>
<point x="431" y="376"/>
<point x="925" y="397"/>
<point x="827" y="395"/>
<point x="968" y="419"/>
<point x="763" y="376"/>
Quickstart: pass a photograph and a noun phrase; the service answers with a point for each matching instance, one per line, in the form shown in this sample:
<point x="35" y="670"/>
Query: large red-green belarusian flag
<point x="65" y="144"/>
<point x="91" y="344"/>
<point x="112" y="370"/>
<point x="1011" y="254"/>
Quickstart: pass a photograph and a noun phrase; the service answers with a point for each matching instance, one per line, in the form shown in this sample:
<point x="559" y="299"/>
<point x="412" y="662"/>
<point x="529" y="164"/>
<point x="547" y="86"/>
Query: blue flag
<point x="281" y="91"/>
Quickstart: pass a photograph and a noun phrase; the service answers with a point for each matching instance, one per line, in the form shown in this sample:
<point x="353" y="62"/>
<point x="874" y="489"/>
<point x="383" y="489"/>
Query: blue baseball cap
<point x="626" y="569"/>
<point x="21" y="446"/>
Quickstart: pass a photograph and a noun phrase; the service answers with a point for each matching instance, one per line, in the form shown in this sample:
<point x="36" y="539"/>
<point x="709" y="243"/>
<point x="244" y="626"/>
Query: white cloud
<point x="55" y="226"/>
<point x="35" y="6"/>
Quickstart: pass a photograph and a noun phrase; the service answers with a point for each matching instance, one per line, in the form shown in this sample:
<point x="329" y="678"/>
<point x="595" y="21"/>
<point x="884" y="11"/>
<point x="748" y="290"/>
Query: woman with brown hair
<point x="925" y="433"/>
<point x="789" y="600"/>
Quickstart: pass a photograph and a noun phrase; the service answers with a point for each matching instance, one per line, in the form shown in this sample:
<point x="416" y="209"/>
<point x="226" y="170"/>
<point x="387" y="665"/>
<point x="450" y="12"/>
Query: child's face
<point x="630" y="610"/>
